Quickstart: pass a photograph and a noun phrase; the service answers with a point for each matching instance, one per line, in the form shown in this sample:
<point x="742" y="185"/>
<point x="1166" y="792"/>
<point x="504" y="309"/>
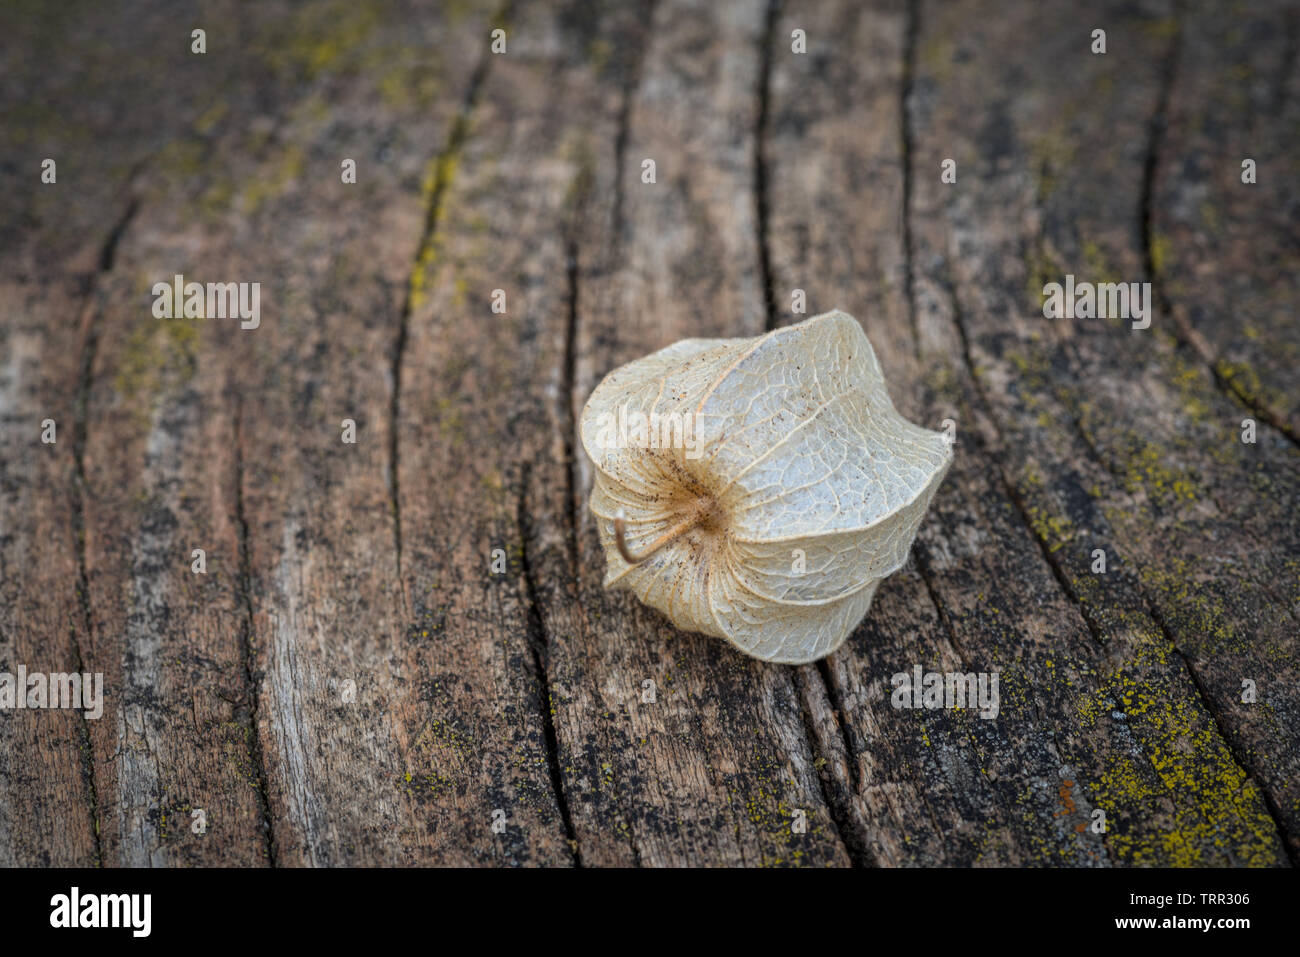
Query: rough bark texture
<point x="401" y="652"/>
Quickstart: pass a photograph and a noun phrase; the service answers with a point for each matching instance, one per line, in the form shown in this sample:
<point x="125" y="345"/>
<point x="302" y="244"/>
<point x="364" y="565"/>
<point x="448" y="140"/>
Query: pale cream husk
<point x="806" y="484"/>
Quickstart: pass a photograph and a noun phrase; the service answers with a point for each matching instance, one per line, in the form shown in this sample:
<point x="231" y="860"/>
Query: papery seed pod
<point x="759" y="489"/>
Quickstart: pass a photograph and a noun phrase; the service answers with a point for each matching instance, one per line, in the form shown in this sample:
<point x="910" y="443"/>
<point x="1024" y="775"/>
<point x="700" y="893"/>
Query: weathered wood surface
<point x="369" y="564"/>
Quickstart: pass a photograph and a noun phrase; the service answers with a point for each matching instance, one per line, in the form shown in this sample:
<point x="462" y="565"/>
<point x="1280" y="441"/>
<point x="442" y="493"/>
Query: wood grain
<point x="401" y="653"/>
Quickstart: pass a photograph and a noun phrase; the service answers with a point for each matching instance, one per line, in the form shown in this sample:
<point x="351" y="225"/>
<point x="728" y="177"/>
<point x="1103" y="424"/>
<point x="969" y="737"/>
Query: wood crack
<point x="252" y="677"/>
<point x="927" y="579"/>
<point x="568" y="419"/>
<point x="80" y="433"/>
<point x="1289" y="52"/>
<point x="853" y="832"/>
<point x="911" y="35"/>
<point x="1185" y="333"/>
<point x="539" y="648"/>
<point x="837" y="807"/>
<point x="1270" y="803"/>
<point x="440" y="168"/>
<point x="762" y="204"/>
<point x="1011" y="492"/>
<point x="623" y="134"/>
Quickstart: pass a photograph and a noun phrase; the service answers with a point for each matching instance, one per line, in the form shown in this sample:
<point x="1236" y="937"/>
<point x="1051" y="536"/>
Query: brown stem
<point x="685" y="525"/>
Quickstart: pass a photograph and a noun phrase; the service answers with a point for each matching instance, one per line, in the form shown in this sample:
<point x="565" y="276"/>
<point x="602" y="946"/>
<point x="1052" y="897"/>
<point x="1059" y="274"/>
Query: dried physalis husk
<point x="758" y="490"/>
